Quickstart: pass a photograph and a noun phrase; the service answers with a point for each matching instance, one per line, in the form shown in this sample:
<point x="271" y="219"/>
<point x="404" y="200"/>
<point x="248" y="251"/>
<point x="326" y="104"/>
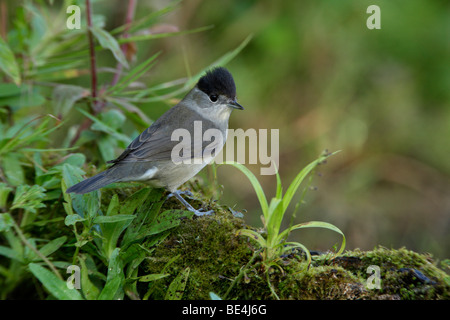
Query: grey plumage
<point x="148" y="158"/>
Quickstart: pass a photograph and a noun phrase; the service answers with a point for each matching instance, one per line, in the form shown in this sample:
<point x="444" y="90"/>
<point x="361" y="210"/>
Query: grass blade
<point x="147" y="20"/>
<point x="161" y="35"/>
<point x="253" y="235"/>
<point x="256" y="186"/>
<point x="134" y="74"/>
<point x="107" y="41"/>
<point x="8" y="63"/>
<point x="300" y="177"/>
<point x="103" y="127"/>
<point x="292" y="245"/>
<point x="316" y="224"/>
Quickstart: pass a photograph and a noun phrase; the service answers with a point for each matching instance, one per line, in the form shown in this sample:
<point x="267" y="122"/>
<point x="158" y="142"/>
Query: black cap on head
<point x="218" y="81"/>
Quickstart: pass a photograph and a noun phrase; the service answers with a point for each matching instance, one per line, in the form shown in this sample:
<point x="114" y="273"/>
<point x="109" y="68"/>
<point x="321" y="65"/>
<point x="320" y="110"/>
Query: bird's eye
<point x="213" y="98"/>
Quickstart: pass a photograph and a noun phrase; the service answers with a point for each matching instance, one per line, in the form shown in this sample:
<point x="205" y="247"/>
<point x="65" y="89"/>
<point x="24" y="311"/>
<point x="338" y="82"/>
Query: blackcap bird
<point x="159" y="158"/>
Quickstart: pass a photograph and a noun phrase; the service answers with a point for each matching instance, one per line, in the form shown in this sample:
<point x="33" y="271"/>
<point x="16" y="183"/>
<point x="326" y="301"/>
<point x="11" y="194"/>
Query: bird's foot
<point x="184" y="192"/>
<point x="198" y="213"/>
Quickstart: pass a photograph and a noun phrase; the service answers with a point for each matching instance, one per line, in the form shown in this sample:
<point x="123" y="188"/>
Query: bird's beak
<point x="234" y="104"/>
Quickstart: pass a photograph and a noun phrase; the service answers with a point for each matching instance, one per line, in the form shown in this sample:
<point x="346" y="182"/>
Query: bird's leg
<point x="189" y="207"/>
<point x="185" y="192"/>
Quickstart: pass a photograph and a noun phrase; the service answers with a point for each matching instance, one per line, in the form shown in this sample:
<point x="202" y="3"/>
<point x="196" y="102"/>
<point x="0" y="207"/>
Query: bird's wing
<point x="156" y="144"/>
<point x="151" y="145"/>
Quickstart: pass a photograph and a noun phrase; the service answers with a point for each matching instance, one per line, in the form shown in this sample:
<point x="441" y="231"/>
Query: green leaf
<point x="64" y="96"/>
<point x="99" y="125"/>
<point x="132" y="112"/>
<point x="75" y="159"/>
<point x="133" y="75"/>
<point x="134" y="201"/>
<point x="72" y="219"/>
<point x="145" y="204"/>
<point x="90" y="291"/>
<point x="107" y="146"/>
<point x="113" y="208"/>
<point x="164" y="221"/>
<point x="4" y="193"/>
<point x="110" y="289"/>
<point x="113" y="224"/>
<point x="38" y="27"/>
<point x="291" y="245"/>
<point x="153" y="277"/>
<point x="256" y="186"/>
<point x="8" y="63"/>
<point x="29" y="198"/>
<point x="177" y="286"/>
<point x="115" y="278"/>
<point x="275" y="217"/>
<point x="112" y="227"/>
<point x="52" y="246"/>
<point x="295" y="184"/>
<point x="113" y="219"/>
<point x="113" y="118"/>
<point x="253" y="235"/>
<point x="11" y="89"/>
<point x="13" y="169"/>
<point x="30" y="98"/>
<point x="109" y="42"/>
<point x="86" y="205"/>
<point x="315" y="224"/>
<point x="11" y="254"/>
<point x="147" y="20"/>
<point x="56" y="287"/>
<point x="150" y="36"/>
<point x="6" y="221"/>
<point x="23" y="134"/>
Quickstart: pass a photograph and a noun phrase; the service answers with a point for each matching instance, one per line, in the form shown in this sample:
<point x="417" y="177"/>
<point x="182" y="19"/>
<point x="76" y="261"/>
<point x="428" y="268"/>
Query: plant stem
<point x="97" y="106"/>
<point x="38" y="253"/>
<point x="241" y="273"/>
<point x="93" y="103"/>
<point x="272" y="289"/>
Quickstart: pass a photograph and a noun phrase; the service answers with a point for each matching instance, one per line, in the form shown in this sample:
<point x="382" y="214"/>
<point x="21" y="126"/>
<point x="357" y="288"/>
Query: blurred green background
<point x="314" y="71"/>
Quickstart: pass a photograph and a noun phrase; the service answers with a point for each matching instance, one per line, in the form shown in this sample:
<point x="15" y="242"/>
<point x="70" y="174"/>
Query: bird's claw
<point x="200" y="212"/>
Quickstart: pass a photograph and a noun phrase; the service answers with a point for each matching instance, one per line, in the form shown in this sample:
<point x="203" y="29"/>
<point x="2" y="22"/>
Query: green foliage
<point x="53" y="284"/>
<point x="46" y="92"/>
<point x="8" y="63"/>
<point x="274" y="244"/>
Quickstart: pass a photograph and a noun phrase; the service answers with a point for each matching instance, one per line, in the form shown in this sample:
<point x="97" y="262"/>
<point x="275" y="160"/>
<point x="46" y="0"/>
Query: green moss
<point x="216" y="256"/>
<point x="209" y="247"/>
<point x="218" y="261"/>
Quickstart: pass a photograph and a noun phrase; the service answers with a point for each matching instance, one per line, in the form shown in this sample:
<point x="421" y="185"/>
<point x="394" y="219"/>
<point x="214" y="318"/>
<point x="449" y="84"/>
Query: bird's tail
<point x="93" y="183"/>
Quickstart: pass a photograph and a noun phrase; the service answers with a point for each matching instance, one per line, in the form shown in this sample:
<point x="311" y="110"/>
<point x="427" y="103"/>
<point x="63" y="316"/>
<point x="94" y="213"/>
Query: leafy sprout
<point x="274" y="244"/>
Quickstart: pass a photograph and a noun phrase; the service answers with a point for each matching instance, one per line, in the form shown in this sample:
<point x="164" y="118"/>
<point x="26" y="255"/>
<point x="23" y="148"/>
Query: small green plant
<point x="274" y="244"/>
